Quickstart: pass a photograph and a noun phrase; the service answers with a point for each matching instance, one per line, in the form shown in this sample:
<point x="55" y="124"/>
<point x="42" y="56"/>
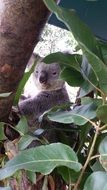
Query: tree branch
<point x="21" y="22"/>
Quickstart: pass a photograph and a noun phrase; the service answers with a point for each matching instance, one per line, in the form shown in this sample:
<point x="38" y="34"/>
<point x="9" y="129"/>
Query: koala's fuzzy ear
<point x="56" y="66"/>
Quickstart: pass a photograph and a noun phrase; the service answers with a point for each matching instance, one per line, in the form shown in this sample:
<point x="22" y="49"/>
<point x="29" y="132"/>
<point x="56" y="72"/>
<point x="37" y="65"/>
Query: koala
<point x="52" y="92"/>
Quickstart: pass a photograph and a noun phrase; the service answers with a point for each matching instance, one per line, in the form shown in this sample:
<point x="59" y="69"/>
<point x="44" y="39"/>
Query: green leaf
<point x="32" y="176"/>
<point x="42" y="159"/>
<point x="85" y="39"/>
<point x="102" y="113"/>
<point x="85" y="89"/>
<point x="22" y="126"/>
<point x="68" y="174"/>
<point x="88" y="72"/>
<point x="4" y="95"/>
<point x="96" y="181"/>
<point x="79" y="115"/>
<point x="97" y="166"/>
<point x="25" y="141"/>
<point x="70" y="60"/>
<point x="103" y="153"/>
<point x="22" y="84"/>
<point x="103" y="47"/>
<point x="83" y="135"/>
<point x="98" y="67"/>
<point x="88" y="100"/>
<point x="72" y="77"/>
<point x="80" y="31"/>
<point x="90" y="78"/>
<point x="2" y="135"/>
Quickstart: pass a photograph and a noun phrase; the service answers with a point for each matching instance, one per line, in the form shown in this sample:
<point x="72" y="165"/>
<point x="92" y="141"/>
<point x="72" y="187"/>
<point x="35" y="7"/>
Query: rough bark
<point x="21" y="22"/>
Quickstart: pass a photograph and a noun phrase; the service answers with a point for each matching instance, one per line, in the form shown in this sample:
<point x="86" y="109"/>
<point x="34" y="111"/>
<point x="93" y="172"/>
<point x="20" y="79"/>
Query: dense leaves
<point x="85" y="39"/>
<point x="93" y="70"/>
<point x="79" y="115"/>
<point x="42" y="159"/>
<point x="88" y="117"/>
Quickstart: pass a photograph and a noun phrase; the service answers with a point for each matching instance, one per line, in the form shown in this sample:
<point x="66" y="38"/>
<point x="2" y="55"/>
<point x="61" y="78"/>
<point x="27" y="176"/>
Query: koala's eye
<point x="54" y="73"/>
<point x="36" y="71"/>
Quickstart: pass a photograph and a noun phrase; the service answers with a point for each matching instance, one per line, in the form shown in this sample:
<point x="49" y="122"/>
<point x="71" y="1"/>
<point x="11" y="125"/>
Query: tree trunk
<point x="21" y="22"/>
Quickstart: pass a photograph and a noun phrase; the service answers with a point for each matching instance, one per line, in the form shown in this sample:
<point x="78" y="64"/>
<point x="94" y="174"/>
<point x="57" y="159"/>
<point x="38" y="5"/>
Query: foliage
<point x="85" y="167"/>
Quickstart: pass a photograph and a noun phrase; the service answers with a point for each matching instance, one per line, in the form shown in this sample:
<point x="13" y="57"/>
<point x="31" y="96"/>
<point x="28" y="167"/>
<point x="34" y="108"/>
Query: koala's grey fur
<point x="52" y="92"/>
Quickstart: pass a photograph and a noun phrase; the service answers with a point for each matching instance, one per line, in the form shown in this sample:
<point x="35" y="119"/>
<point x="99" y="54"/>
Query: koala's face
<point x="46" y="74"/>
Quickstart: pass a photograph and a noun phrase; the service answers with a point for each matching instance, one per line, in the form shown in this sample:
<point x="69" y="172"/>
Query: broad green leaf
<point x="22" y="84"/>
<point x="98" y="66"/>
<point x="102" y="113"/>
<point x="70" y="60"/>
<point x="22" y="126"/>
<point x="96" y="181"/>
<point x="88" y="72"/>
<point x="85" y="39"/>
<point x="42" y="159"/>
<point x="2" y="135"/>
<point x="80" y="31"/>
<point x="79" y="115"/>
<point x="25" y="141"/>
<point x="90" y="78"/>
<point x="4" y="95"/>
<point x="85" y="89"/>
<point x="88" y="100"/>
<point x="103" y="153"/>
<point x="72" y="77"/>
<point x="103" y="48"/>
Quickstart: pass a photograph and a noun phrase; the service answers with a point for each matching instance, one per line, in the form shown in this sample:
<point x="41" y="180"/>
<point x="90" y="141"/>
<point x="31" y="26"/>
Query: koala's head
<point x="46" y="75"/>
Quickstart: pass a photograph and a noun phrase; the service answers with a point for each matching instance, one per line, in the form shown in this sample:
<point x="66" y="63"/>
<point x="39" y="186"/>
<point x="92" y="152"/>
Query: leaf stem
<point x="88" y="158"/>
<point x="96" y="156"/>
<point x="103" y="127"/>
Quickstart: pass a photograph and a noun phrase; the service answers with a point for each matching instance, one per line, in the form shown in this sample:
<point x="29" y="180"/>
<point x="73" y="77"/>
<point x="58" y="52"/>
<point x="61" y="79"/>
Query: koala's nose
<point x="43" y="77"/>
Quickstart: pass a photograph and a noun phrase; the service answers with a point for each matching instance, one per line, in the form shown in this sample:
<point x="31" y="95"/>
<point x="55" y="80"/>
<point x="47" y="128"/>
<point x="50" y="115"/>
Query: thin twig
<point x="88" y="158"/>
<point x="96" y="156"/>
<point x="103" y="127"/>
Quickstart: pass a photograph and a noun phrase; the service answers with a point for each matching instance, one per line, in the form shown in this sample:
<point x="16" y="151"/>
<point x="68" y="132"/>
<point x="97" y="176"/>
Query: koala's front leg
<point x="33" y="107"/>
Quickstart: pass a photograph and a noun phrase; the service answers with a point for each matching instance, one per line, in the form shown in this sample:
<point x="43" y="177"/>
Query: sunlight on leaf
<point x="4" y="95"/>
